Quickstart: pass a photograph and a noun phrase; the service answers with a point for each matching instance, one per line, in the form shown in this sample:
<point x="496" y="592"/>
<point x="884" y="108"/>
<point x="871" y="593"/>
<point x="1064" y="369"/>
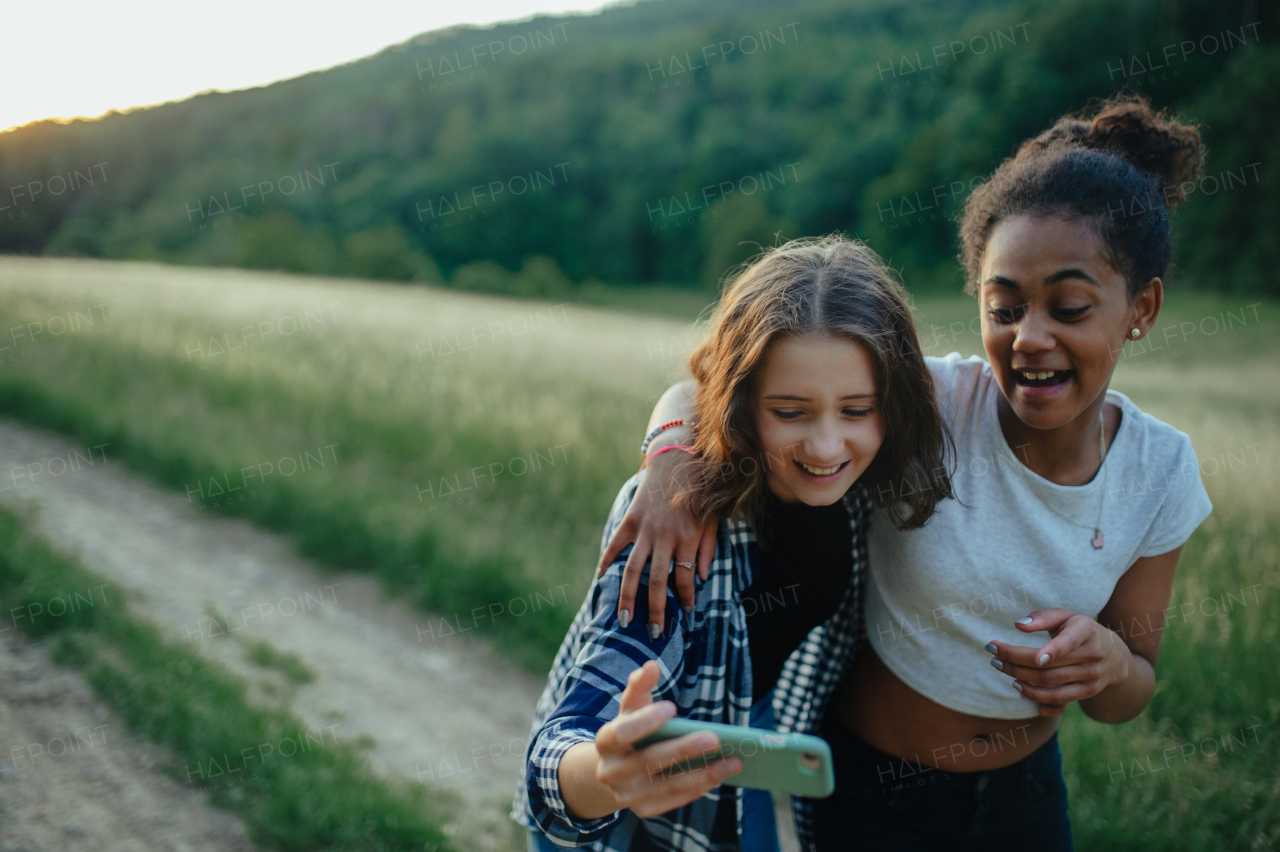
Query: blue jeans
<point x="886" y="802"/>
<point x="760" y="829"/>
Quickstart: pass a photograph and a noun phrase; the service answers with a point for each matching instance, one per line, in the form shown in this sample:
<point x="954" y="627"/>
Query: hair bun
<point x="1128" y="127"/>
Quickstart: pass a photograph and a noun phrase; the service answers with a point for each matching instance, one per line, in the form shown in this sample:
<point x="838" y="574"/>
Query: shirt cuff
<point x="543" y="780"/>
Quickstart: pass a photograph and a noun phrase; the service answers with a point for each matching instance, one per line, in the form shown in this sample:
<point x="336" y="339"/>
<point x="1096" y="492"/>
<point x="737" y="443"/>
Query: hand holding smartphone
<point x="797" y="764"/>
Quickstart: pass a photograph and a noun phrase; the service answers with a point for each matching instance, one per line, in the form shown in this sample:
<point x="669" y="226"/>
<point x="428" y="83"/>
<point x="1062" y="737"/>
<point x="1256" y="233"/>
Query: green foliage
<point x="741" y="228"/>
<point x="278" y="241"/>
<point x="402" y="164"/>
<point x="386" y="253"/>
<point x="539" y="278"/>
<point x="323" y="795"/>
<point x="1229" y="228"/>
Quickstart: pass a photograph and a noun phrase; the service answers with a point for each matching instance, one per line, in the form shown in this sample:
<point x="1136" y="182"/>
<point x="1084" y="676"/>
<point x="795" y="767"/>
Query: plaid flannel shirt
<point x="705" y="669"/>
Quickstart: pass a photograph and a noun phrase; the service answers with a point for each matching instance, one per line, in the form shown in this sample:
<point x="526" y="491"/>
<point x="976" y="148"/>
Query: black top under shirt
<point x="806" y="558"/>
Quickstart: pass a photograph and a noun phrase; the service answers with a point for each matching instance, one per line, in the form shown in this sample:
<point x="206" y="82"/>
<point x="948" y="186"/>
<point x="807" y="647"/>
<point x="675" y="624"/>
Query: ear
<point x="1146" y="308"/>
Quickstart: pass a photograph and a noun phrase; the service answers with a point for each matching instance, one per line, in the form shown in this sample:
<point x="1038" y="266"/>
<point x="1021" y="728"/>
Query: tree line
<point x="658" y="143"/>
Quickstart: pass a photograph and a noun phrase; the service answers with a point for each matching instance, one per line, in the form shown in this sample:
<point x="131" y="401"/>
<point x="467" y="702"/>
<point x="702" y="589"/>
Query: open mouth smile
<point x="1042" y="378"/>
<point x="821" y="472"/>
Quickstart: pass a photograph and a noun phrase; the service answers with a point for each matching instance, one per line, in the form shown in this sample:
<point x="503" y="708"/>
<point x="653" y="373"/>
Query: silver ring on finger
<point x="688" y="565"/>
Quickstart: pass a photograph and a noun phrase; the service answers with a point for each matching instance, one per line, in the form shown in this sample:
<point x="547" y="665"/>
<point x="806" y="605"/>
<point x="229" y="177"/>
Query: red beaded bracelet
<point x="658" y="430"/>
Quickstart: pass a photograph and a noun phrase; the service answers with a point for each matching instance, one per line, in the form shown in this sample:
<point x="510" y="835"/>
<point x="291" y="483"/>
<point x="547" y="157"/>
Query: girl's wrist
<point x="675" y="436"/>
<point x="1110" y="703"/>
<point x="662" y="429"/>
<point x="1126" y="697"/>
<point x="584" y="796"/>
<point x="1124" y="657"/>
<point x="684" y="448"/>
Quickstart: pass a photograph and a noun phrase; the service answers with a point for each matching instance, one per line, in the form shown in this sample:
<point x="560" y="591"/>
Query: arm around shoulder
<point x="676" y="403"/>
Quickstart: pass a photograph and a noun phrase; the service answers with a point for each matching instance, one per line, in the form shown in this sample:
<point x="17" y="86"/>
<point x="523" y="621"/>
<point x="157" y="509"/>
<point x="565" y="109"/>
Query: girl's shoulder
<point x="951" y="368"/>
<point x="1148" y="440"/>
<point x="959" y="382"/>
<point x="1156" y="468"/>
<point x="733" y="533"/>
<point x="735" y="547"/>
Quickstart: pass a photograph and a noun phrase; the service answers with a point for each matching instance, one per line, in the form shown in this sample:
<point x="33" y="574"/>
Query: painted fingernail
<point x="990" y="648"/>
<point x="705" y="741"/>
<point x="1044" y="658"/>
<point x="999" y="665"/>
<point x="688" y="618"/>
<point x="655" y="630"/>
<point x="624" y="618"/>
<point x="1026" y="620"/>
<point x="1017" y="686"/>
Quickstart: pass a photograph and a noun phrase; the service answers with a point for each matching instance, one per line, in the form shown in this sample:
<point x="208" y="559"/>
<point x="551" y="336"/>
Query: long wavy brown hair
<point x="831" y="285"/>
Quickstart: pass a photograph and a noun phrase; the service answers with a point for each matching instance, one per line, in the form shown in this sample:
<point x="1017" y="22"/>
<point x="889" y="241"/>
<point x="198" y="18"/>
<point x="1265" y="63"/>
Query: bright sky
<point x="68" y="58"/>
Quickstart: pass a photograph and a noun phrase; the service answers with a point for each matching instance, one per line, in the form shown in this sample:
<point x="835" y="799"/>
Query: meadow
<point x="466" y="448"/>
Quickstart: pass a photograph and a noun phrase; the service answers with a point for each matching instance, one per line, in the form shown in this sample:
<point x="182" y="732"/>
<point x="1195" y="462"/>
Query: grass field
<point x="466" y="450"/>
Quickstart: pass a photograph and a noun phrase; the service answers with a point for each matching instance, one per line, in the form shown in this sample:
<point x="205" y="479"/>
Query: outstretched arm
<point x="658" y="530"/>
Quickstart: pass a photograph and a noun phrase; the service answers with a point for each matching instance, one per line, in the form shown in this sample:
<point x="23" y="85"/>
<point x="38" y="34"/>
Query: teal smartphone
<point x="798" y="764"/>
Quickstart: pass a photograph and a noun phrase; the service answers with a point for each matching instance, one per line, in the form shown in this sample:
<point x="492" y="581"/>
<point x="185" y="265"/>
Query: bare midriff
<point x="894" y="718"/>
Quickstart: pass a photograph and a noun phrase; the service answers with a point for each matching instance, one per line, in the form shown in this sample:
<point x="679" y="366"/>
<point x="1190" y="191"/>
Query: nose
<point x="823" y="442"/>
<point x="1033" y="334"/>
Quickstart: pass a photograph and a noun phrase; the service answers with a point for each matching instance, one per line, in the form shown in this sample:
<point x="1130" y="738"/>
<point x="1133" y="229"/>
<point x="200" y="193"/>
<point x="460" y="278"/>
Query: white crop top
<point x="937" y="595"/>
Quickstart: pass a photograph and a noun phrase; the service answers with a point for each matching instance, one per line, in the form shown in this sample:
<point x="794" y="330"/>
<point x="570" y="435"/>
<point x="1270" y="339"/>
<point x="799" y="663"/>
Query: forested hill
<point x="648" y="142"/>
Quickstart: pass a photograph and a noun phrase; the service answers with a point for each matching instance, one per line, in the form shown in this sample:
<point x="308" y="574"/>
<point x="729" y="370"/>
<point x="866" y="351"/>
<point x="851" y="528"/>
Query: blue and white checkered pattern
<point x="705" y="670"/>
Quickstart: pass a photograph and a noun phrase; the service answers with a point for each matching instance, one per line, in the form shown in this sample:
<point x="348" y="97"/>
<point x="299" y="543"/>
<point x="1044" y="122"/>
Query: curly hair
<point x="830" y="285"/>
<point x="1120" y="166"/>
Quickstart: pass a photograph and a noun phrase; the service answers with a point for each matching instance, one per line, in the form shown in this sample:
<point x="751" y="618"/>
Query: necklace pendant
<point x="1097" y="539"/>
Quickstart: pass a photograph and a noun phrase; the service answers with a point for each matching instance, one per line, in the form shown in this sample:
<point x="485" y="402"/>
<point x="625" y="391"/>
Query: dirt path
<point x="71" y="778"/>
<point x="452" y="715"/>
<point x="434" y="708"/>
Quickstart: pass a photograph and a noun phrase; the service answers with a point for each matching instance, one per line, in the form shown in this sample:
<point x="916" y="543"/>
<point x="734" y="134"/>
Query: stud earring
<point x="1135" y="333"/>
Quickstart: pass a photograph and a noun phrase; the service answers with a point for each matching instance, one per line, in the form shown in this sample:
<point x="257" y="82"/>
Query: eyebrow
<point x="1060" y="275"/>
<point x="807" y="399"/>
<point x="1064" y="274"/>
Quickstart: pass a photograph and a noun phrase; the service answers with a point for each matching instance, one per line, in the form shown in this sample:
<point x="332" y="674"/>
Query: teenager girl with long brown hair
<point x="811" y="381"/>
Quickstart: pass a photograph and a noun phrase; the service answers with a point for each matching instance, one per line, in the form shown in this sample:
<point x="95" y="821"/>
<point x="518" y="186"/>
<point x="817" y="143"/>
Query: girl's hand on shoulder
<point x="639" y="778"/>
<point x="660" y="532"/>
<point x="1081" y="659"/>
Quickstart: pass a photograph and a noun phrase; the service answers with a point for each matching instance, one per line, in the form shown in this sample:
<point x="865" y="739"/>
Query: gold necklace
<point x="1097" y="540"/>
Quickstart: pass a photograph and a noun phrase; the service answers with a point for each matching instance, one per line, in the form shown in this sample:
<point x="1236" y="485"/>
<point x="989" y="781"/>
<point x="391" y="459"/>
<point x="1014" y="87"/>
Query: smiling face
<point x="1055" y="315"/>
<point x="817" y="417"/>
